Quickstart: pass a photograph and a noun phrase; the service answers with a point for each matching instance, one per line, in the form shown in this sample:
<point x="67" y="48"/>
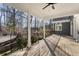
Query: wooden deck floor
<point x="54" y="44"/>
<point x="43" y="48"/>
<point x="58" y="45"/>
<point x="39" y="49"/>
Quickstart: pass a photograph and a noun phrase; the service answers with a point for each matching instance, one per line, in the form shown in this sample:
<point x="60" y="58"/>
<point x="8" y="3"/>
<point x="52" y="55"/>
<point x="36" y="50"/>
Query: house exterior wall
<point x="65" y="25"/>
<point x="65" y="29"/>
<point x="70" y="26"/>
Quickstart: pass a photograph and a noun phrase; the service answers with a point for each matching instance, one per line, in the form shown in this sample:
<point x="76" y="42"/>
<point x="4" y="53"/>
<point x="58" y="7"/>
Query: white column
<point x="43" y="29"/>
<point x="71" y="28"/>
<point x="29" y="31"/>
<point x="76" y="26"/>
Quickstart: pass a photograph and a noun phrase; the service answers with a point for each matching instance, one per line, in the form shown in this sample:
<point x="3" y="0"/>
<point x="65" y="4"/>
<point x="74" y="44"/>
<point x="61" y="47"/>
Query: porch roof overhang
<point x="61" y="9"/>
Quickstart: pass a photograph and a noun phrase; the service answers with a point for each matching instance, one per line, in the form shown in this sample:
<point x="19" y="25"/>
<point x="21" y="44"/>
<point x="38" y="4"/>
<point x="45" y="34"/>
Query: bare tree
<point x="0" y="23"/>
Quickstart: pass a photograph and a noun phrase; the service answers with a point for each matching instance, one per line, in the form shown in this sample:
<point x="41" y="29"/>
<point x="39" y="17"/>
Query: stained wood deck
<point x="44" y="47"/>
<point x="39" y="49"/>
<point x="53" y="45"/>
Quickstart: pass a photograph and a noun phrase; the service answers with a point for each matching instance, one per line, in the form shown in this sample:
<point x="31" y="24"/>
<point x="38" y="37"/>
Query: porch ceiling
<point x="61" y="9"/>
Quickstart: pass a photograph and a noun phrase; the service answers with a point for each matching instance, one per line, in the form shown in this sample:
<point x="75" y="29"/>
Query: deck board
<point x="65" y="46"/>
<point x="39" y="49"/>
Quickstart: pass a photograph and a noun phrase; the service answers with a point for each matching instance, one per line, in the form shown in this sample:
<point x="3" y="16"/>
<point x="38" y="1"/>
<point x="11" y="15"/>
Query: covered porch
<point x="48" y="32"/>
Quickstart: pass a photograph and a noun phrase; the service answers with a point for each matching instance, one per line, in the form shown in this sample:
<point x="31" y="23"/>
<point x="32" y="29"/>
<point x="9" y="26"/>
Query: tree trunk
<point x="0" y="24"/>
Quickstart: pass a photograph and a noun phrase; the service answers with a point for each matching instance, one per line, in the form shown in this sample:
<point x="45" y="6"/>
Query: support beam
<point x="29" y="31"/>
<point x="43" y="29"/>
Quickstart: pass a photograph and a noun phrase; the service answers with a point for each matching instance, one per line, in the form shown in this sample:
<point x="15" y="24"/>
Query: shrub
<point x="21" y="41"/>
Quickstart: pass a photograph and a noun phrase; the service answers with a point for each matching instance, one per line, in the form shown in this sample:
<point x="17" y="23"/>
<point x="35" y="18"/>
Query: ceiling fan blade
<point x="50" y="4"/>
<point x="45" y="6"/>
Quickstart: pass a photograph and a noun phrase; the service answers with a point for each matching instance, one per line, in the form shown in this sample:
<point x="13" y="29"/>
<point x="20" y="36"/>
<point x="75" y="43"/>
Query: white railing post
<point x="43" y="29"/>
<point x="29" y="31"/>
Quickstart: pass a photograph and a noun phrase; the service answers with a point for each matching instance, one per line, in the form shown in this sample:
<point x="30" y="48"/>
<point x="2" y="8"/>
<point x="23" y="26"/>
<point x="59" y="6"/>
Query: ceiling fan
<point x="49" y="4"/>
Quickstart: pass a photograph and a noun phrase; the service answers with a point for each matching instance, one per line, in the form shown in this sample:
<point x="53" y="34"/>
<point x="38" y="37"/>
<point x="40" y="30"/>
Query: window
<point x="58" y="27"/>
